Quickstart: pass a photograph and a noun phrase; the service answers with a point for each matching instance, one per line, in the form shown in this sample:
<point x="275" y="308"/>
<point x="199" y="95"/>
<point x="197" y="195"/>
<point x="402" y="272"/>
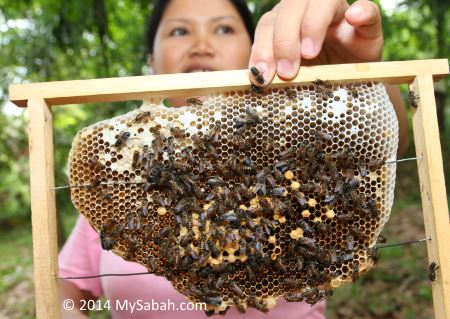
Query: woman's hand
<point x="312" y="32"/>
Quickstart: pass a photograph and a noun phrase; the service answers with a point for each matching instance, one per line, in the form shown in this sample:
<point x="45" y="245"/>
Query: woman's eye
<point x="224" y="29"/>
<point x="178" y="32"/>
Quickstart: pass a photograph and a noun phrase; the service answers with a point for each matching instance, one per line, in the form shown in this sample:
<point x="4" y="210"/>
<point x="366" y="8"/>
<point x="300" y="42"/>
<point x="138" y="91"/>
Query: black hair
<point x="159" y="6"/>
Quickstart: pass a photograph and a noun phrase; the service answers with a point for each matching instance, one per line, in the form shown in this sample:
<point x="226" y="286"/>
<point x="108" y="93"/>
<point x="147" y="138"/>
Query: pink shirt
<point x="82" y="255"/>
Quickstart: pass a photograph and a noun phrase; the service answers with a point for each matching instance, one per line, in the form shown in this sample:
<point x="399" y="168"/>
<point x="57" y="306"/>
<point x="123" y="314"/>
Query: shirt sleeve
<point x="80" y="256"/>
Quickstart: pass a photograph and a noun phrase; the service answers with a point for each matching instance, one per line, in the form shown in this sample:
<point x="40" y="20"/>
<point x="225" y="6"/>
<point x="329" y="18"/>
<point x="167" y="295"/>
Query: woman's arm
<point x="400" y="110"/>
<point x="72" y="292"/>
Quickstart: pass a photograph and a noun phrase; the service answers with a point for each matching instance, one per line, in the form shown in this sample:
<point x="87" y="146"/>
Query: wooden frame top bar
<point x="190" y="84"/>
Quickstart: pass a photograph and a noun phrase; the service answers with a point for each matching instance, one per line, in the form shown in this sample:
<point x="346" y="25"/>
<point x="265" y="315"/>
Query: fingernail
<point x="307" y="48"/>
<point x="355" y="11"/>
<point x="285" y="68"/>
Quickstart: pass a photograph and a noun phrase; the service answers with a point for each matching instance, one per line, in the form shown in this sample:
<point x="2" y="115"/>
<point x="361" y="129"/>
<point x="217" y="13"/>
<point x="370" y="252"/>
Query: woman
<point x="207" y="35"/>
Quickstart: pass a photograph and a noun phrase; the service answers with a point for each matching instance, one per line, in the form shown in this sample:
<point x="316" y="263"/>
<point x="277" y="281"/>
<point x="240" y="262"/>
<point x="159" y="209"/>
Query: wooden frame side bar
<point x="43" y="210"/>
<point x="191" y="84"/>
<point x="432" y="189"/>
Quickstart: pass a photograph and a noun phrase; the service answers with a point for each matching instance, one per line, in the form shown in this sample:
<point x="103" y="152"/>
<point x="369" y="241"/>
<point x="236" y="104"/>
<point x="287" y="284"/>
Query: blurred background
<point x="50" y="40"/>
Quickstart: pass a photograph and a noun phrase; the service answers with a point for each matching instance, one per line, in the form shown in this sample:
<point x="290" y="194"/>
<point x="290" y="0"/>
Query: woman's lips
<point x="198" y="68"/>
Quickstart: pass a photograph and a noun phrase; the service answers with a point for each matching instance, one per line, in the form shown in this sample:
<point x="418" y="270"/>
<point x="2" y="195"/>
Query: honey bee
<point x="230" y="217"/>
<point x="211" y="300"/>
<point x="375" y="165"/>
<point x="357" y="232"/>
<point x="133" y="246"/>
<point x="108" y="235"/>
<point x="350" y="243"/>
<point x="95" y="183"/>
<point x="307" y="230"/>
<point x="381" y="239"/>
<point x="144" y="208"/>
<point x="323" y="87"/>
<point x="301" y="199"/>
<point x="220" y="281"/>
<point x="319" y="82"/>
<point x="293" y="283"/>
<point x="94" y="162"/>
<point x="216" y="181"/>
<point x="256" y="89"/>
<point x="253" y="118"/>
<point x="291" y="94"/>
<point x="210" y="312"/>
<point x="351" y="184"/>
<point x="135" y="159"/>
<point x="224" y="312"/>
<point x="332" y="255"/>
<point x="107" y="196"/>
<point x="258" y="76"/>
<point x="186" y="239"/>
<point x="155" y="129"/>
<point x="432" y="268"/>
<point x="255" y="303"/>
<point x="151" y="264"/>
<point x="235" y="288"/>
<point x="178" y="132"/>
<point x="134" y="221"/>
<point x="250" y="272"/>
<point x="141" y="116"/>
<point x="122" y="138"/>
<point x="194" y="101"/>
<point x="312" y="296"/>
<point x="163" y="233"/>
<point x="362" y="168"/>
<point x="239" y="306"/>
<point x="260" y="186"/>
<point x="347" y="217"/>
<point x="413" y="99"/>
<point x="354" y="92"/>
<point x="215" y="252"/>
<point x="293" y="296"/>
<point x="322" y="228"/>
<point x="345" y="257"/>
<point x="355" y="273"/>
<point x="280" y="265"/>
<point x="372" y="206"/>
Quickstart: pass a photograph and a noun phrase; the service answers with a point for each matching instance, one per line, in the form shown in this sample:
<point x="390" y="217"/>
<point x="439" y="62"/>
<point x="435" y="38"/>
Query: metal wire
<point x="403" y="160"/>
<point x="107" y="275"/>
<point x="404" y="243"/>
<point x="149" y="273"/>
<point x="143" y="182"/>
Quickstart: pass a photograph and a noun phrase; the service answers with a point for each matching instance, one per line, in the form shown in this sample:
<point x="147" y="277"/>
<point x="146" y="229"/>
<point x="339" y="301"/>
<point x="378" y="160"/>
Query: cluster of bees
<point x="232" y="229"/>
<point x="240" y="206"/>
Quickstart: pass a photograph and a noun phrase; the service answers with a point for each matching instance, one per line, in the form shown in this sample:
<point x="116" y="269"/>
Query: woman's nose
<point x="202" y="45"/>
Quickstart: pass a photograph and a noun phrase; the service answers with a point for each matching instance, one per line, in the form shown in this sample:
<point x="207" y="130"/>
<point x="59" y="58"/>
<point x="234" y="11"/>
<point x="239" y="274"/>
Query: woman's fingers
<point x="316" y="21"/>
<point x="286" y="37"/>
<point x="292" y="30"/>
<point x="297" y="29"/>
<point x="365" y="16"/>
<point x="262" y="50"/>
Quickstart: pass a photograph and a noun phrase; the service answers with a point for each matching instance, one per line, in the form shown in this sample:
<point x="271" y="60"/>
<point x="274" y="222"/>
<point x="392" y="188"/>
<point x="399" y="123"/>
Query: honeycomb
<point x="242" y="197"/>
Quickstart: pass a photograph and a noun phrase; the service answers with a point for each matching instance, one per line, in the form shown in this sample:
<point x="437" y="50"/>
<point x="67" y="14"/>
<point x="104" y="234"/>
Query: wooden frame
<point x="38" y="97"/>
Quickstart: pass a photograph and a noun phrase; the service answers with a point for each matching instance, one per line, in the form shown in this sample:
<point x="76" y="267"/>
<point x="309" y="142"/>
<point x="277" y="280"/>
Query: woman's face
<point x="200" y="35"/>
